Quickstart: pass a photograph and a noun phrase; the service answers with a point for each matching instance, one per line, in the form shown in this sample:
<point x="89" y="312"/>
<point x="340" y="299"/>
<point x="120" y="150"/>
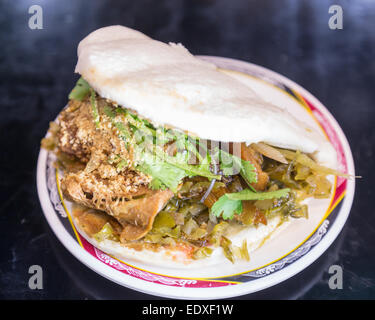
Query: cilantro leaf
<point x="163" y="174"/>
<point x="153" y="160"/>
<point x="205" y="164"/>
<point x="157" y="184"/>
<point x="168" y="171"/>
<point x="80" y="91"/>
<point x="226" y="207"/>
<point x="231" y="165"/>
<point x="249" y="173"/>
<point x="231" y="203"/>
<point x="184" y="142"/>
<point x="164" y="135"/>
<point x="180" y="161"/>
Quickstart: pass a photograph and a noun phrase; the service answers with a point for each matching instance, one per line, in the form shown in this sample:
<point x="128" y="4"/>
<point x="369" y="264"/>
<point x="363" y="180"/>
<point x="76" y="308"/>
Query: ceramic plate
<point x="296" y="246"/>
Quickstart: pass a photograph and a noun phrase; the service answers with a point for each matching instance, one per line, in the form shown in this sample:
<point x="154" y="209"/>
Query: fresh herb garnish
<point x="226" y="208"/>
<point x="231" y="165"/>
<point x="231" y="203"/>
<point x="180" y="161"/>
<point x="164" y="175"/>
<point x="150" y="157"/>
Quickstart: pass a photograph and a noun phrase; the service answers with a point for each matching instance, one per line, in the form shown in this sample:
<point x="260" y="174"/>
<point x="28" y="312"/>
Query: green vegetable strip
<point x="109" y="112"/>
<point x="136" y="122"/>
<point x="80" y="91"/>
<point x="250" y="195"/>
<point x="94" y="107"/>
<point x="184" y="142"/>
<point x="124" y="132"/>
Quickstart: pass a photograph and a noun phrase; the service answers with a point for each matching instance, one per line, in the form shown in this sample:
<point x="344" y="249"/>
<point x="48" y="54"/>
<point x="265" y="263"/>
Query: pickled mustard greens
<point x="206" y="228"/>
<point x="304" y="180"/>
<point x="106" y="233"/>
<point x="306" y="161"/>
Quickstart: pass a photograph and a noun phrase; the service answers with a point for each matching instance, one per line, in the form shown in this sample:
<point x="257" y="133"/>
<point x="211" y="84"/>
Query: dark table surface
<point x="291" y="37"/>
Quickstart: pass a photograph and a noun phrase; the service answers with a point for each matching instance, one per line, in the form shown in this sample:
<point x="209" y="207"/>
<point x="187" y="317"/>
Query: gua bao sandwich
<point x="166" y="154"/>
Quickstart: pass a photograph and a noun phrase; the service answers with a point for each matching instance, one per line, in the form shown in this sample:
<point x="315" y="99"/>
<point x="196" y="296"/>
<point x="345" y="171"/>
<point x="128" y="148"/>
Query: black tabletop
<point x="291" y="37"/>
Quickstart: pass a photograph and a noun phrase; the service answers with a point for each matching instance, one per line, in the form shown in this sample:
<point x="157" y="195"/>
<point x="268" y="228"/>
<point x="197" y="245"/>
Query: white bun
<point x="169" y="86"/>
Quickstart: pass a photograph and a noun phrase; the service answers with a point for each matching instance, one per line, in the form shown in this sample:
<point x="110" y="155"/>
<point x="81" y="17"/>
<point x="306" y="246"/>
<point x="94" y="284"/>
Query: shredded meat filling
<point x="124" y="193"/>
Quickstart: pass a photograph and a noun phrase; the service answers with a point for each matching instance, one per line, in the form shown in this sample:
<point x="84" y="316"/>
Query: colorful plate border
<point x="190" y="288"/>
